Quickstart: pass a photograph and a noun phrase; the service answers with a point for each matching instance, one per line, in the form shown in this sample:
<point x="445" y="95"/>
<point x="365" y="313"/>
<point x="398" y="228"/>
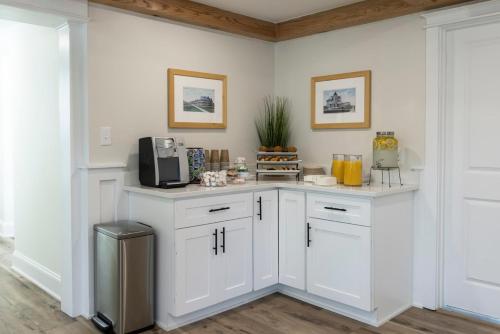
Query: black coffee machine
<point x="163" y="162"/>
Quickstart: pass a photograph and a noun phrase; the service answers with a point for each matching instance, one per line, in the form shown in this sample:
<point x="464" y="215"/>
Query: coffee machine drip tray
<point x="169" y="185"/>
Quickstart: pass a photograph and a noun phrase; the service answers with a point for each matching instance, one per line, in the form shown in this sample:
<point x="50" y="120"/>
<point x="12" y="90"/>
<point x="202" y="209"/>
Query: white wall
<point x="30" y="99"/>
<point x="6" y="149"/>
<point x="129" y="55"/>
<point x="128" y="60"/>
<point x="394" y="50"/>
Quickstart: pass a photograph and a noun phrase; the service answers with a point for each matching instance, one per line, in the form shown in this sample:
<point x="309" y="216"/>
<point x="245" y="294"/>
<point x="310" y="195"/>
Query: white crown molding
<point x="475" y="12"/>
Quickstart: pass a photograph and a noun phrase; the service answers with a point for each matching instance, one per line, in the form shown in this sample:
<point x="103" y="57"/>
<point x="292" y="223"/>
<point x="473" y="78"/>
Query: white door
<point x="339" y="262"/>
<point x="265" y="239"/>
<point x="233" y="270"/>
<point x="195" y="285"/>
<point x="292" y="239"/>
<point x="472" y="213"/>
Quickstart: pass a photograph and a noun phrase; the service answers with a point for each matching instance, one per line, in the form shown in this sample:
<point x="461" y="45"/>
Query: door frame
<point x="72" y="18"/>
<point x="431" y="199"/>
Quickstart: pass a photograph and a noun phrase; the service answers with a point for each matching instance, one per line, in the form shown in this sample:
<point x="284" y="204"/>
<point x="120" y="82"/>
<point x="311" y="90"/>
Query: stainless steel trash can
<point x="124" y="276"/>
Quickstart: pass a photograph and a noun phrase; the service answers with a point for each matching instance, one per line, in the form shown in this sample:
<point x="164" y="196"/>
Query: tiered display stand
<point x="266" y="167"/>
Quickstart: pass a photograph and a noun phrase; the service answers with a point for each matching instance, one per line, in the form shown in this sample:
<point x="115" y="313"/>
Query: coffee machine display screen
<point x="169" y="169"/>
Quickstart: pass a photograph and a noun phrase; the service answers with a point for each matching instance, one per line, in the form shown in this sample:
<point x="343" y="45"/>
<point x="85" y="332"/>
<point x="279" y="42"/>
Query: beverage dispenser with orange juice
<point x="353" y="170"/>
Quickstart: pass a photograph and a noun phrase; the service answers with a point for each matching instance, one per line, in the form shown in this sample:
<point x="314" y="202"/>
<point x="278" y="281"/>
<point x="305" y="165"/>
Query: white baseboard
<point x="369" y="318"/>
<point x="393" y="315"/>
<point x="40" y="275"/>
<point x="176" y="322"/>
<point x="6" y="229"/>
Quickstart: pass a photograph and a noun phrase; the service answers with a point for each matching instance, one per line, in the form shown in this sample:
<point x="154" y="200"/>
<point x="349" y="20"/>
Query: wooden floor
<point x="26" y="309"/>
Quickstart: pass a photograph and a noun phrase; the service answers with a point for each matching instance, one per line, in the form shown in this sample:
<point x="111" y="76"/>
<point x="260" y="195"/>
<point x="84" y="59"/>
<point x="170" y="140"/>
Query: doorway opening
<point x="41" y="136"/>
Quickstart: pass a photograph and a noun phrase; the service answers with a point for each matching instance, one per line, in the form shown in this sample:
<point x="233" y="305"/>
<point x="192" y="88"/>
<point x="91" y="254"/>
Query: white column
<point x="74" y="126"/>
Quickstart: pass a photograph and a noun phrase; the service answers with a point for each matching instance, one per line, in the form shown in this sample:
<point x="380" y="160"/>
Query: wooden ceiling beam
<point x="355" y="14"/>
<point x="191" y="12"/>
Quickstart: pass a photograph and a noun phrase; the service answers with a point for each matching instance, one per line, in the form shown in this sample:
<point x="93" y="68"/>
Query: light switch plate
<point x="105" y="136"/>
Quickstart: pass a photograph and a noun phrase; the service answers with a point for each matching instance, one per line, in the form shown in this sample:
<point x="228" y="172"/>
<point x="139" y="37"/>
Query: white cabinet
<point x="339" y="262"/>
<point x="234" y="260"/>
<point x="292" y="240"/>
<point x="265" y="239"/>
<point x="195" y="270"/>
<point x="214" y="248"/>
<point x="213" y="263"/>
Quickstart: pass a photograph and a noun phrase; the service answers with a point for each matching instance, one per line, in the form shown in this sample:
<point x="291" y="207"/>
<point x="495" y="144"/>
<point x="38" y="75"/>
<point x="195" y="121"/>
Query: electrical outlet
<point x="105" y="136"/>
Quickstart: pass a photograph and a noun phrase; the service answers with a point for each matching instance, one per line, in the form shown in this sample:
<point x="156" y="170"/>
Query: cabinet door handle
<point x="308" y="234"/>
<point x="260" y="208"/>
<point x="334" y="209"/>
<point x="219" y="209"/>
<point x="223" y="245"/>
<point x="215" y="235"/>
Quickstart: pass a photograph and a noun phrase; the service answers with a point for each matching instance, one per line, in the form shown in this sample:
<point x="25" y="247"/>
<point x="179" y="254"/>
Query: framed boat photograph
<point x="196" y="100"/>
<point x="341" y="101"/>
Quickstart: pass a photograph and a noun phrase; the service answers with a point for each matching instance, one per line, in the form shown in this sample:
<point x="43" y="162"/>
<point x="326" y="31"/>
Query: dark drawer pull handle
<point x="219" y="209"/>
<point x="335" y="209"/>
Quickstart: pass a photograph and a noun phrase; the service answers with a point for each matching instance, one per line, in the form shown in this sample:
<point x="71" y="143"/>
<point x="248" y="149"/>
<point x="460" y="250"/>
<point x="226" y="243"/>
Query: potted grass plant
<point x="273" y="124"/>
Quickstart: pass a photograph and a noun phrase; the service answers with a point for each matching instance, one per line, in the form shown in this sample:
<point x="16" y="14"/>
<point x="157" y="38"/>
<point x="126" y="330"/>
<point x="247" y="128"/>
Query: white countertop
<point x="194" y="190"/>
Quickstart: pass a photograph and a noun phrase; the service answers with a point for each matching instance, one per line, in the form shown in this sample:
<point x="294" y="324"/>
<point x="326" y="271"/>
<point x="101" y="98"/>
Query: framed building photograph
<point x="196" y="100"/>
<point x="341" y="101"/>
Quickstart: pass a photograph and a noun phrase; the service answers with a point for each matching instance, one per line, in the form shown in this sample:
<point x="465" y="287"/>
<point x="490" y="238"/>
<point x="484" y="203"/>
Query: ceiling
<point x="276" y="10"/>
<point x="14" y="14"/>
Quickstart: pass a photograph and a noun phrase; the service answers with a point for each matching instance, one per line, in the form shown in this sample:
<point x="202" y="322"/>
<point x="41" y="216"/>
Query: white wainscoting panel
<point x="106" y="202"/>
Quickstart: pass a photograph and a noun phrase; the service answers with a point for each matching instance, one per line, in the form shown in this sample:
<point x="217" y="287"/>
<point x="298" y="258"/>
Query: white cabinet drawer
<point x="339" y="208"/>
<point x="206" y="210"/>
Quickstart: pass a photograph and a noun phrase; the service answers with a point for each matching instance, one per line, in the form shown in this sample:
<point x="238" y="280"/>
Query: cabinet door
<point x="194" y="269"/>
<point x="339" y="262"/>
<point x="265" y="239"/>
<point x="233" y="271"/>
<point x="292" y="241"/>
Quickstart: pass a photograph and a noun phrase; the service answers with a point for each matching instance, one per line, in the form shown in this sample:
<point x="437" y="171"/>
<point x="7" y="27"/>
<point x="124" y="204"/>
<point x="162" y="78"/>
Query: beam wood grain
<point x="355" y="14"/>
<point x="191" y="12"/>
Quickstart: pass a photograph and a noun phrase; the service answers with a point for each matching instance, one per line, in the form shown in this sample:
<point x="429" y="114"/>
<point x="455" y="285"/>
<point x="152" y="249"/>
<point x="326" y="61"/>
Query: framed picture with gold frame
<point x="341" y="101"/>
<point x="196" y="100"/>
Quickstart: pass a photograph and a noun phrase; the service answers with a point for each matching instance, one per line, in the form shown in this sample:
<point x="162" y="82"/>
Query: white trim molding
<point x="41" y="276"/>
<point x="104" y="165"/>
<point x="105" y="201"/>
<point x="429" y="264"/>
<point x="74" y="129"/>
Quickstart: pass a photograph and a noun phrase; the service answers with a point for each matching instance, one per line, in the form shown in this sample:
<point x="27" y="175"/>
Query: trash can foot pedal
<point x="102" y="323"/>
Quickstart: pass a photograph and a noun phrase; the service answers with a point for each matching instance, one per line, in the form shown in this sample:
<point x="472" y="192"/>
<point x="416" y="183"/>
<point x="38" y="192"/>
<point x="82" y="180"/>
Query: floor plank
<point x="24" y="308"/>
